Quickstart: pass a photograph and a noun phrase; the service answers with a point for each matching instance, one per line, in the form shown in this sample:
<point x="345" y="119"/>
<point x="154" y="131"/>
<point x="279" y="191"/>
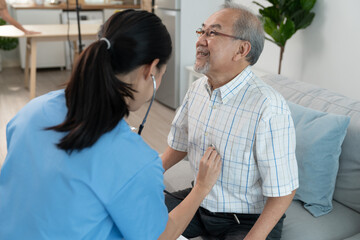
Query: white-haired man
<point x="249" y="124"/>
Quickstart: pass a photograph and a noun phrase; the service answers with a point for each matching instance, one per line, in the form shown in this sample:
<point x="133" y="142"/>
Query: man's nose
<point x="202" y="41"/>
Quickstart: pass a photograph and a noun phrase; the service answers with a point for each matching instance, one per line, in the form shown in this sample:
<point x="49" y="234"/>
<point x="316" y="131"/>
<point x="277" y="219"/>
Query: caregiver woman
<point x="74" y="169"/>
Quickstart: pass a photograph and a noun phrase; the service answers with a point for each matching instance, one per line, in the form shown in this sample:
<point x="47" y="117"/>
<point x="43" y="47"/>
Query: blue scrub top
<point x="112" y="190"/>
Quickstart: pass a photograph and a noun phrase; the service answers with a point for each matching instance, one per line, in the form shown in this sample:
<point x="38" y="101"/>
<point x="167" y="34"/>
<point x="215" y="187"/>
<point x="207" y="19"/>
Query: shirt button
<point x="205" y="133"/>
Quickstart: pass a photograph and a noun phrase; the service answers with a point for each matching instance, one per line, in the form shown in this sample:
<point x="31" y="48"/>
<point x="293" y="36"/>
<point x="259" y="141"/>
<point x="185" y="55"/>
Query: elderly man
<point x="249" y="124"/>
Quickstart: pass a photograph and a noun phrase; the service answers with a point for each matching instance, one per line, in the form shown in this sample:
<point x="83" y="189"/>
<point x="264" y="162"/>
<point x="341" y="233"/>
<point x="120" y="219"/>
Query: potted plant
<point x="283" y="18"/>
<point x="7" y="43"/>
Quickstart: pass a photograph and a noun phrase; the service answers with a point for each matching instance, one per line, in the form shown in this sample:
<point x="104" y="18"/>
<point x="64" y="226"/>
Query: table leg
<point x="33" y="69"/>
<point x="27" y="60"/>
<point x="76" y="53"/>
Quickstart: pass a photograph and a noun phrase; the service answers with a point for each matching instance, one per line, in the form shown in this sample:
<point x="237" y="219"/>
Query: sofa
<point x="342" y="219"/>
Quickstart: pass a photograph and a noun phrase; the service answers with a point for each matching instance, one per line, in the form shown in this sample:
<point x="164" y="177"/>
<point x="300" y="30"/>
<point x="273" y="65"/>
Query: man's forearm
<point x="171" y="157"/>
<point x="275" y="208"/>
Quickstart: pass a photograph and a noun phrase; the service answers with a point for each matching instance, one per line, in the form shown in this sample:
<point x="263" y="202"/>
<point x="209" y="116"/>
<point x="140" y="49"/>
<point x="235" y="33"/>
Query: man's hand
<point x="180" y="217"/>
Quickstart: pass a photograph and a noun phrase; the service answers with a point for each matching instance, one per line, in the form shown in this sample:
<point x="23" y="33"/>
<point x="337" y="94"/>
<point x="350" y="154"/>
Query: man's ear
<point x="243" y="50"/>
<point x="150" y="68"/>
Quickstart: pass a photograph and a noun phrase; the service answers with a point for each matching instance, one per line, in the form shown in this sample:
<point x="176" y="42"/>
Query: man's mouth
<point x="202" y="53"/>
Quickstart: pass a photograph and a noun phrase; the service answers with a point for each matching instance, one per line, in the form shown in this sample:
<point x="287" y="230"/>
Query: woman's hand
<point x="209" y="170"/>
<point x="29" y="32"/>
<point x="179" y="217"/>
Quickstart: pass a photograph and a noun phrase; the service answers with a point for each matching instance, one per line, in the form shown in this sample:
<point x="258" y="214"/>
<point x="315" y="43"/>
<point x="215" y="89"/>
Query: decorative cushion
<point x="319" y="137"/>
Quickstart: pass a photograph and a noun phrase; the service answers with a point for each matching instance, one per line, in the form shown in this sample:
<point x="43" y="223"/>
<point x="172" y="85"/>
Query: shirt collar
<point x="230" y="89"/>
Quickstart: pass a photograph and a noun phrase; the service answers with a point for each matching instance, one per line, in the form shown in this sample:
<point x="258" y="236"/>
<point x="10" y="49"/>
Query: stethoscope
<point x="148" y="110"/>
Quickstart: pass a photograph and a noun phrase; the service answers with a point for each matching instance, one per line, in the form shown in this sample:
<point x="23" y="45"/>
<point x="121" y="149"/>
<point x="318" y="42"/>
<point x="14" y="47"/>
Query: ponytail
<point x="95" y="97"/>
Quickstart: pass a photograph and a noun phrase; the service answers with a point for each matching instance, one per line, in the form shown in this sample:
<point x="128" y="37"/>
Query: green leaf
<point x="298" y="17"/>
<point x="287" y="29"/>
<point x="291" y="7"/>
<point x="281" y="3"/>
<point x="307" y="5"/>
<point x="284" y="33"/>
<point x="306" y="20"/>
<point x="278" y="38"/>
<point x="269" y="26"/>
<point x="273" y="13"/>
<point x="272" y="30"/>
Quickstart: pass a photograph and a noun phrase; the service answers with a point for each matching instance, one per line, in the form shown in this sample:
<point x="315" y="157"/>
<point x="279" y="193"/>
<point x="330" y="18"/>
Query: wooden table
<point x="50" y="32"/>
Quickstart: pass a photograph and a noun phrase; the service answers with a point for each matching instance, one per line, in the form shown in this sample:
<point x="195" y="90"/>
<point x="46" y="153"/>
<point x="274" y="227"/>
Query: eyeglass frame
<point x="200" y="32"/>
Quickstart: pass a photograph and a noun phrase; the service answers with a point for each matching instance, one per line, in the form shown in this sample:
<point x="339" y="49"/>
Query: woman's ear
<point x="150" y="68"/>
<point x="243" y="50"/>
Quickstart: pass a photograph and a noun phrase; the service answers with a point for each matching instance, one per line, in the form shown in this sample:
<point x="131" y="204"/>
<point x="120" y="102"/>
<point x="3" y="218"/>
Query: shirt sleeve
<point x="178" y="135"/>
<point x="275" y="155"/>
<point x="139" y="209"/>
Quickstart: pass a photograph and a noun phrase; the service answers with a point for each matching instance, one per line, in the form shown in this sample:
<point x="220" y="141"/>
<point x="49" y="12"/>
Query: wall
<point x="326" y="53"/>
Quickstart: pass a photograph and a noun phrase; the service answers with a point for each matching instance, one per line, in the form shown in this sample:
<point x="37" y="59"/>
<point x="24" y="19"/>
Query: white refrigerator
<point x="181" y="18"/>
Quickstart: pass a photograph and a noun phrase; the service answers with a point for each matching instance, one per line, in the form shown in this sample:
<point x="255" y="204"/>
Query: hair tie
<point x="107" y="41"/>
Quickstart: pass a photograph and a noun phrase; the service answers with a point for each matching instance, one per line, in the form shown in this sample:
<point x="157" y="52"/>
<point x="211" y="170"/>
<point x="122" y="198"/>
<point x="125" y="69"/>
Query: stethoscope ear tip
<point x="154" y="83"/>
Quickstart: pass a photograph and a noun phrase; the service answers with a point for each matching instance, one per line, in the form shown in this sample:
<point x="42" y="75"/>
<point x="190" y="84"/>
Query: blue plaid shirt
<point x="250" y="125"/>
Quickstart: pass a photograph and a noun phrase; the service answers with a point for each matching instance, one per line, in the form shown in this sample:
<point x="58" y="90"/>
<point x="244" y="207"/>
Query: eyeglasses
<point x="211" y="34"/>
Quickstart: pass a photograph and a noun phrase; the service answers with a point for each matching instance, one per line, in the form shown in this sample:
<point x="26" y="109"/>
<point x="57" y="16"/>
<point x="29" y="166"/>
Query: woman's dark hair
<point x="95" y="97"/>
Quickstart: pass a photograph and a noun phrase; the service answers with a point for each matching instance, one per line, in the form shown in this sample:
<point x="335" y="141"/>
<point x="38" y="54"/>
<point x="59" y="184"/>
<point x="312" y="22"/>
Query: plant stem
<point x="282" y="48"/>
<point x="269" y="39"/>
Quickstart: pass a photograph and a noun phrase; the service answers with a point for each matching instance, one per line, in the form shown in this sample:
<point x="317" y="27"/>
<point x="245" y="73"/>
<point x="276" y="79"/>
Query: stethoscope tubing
<point x="148" y="110"/>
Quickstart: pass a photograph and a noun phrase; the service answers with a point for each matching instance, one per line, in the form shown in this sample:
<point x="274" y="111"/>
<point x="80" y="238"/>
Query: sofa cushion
<point x="178" y="177"/>
<point x="340" y="223"/>
<point x="347" y="189"/>
<point x="319" y="136"/>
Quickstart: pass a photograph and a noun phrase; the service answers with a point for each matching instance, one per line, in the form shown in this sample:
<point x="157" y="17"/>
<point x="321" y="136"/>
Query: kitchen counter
<point x="63" y="6"/>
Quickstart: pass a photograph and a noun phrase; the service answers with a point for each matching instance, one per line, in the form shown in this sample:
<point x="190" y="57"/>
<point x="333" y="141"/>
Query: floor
<point x="13" y="96"/>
